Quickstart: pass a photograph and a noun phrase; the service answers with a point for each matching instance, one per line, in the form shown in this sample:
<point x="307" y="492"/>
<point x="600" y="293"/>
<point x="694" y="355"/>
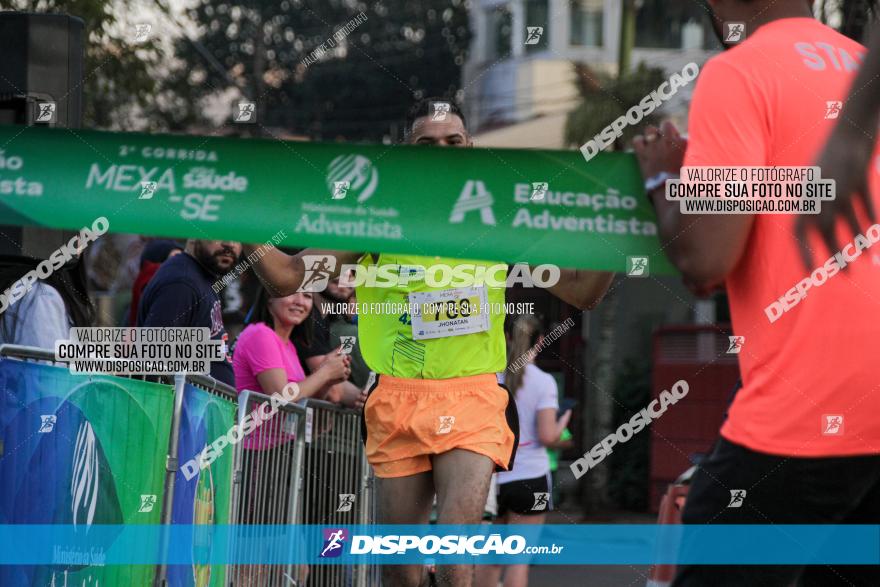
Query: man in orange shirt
<point x="801" y="444"/>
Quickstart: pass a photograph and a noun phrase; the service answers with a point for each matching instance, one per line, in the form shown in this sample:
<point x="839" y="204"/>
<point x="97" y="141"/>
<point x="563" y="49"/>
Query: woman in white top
<point x="48" y="308"/>
<point x="524" y="492"/>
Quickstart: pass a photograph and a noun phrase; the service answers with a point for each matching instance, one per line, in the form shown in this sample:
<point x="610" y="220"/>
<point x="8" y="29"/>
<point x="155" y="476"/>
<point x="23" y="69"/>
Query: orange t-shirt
<point x="762" y="103"/>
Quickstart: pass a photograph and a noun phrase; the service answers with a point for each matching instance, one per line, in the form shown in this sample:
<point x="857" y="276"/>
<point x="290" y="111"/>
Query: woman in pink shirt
<point x="265" y="360"/>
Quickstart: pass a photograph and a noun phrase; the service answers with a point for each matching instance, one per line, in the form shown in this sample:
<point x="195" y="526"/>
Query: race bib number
<point x="451" y="312"/>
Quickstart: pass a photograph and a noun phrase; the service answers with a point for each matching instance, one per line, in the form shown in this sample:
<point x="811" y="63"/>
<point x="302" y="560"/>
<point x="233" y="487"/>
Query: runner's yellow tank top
<point x="461" y="328"/>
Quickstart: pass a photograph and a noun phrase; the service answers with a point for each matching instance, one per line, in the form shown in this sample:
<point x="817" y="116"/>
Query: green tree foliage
<point x="605" y="98"/>
<point x="356" y="90"/>
<point x="118" y="76"/>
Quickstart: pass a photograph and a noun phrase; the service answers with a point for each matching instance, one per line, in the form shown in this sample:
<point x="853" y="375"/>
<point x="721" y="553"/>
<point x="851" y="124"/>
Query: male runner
<point x="436" y="417"/>
<point x="801" y="440"/>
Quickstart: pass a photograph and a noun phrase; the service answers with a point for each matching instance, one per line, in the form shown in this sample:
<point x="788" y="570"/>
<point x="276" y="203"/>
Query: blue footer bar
<point x="481" y="544"/>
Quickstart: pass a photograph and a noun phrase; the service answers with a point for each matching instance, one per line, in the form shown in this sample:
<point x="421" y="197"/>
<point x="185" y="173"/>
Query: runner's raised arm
<point x="581" y="288"/>
<point x="284" y="274"/>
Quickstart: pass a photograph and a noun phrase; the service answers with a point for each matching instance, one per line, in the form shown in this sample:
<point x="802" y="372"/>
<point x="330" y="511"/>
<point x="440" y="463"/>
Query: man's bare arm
<point x="283" y="274"/>
<point x="581" y="288"/>
<point x="704" y="247"/>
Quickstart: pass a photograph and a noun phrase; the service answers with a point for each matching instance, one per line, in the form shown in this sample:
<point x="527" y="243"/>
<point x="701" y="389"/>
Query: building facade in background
<point x="519" y="81"/>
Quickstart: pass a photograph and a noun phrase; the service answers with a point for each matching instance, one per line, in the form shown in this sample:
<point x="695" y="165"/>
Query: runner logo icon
<point x="317" y="273"/>
<point x="734" y="31"/>
<point x="47" y="423"/>
<point x="539" y="190"/>
<point x="346" y="501"/>
<point x="340" y="189"/>
<point x="142" y="32"/>
<point x="333" y="541"/>
<point x="440" y="110"/>
<point x="541" y="501"/>
<point x="832" y="425"/>
<point x="446" y="423"/>
<point x="147" y="503"/>
<point x="637" y="267"/>
<point x="534" y="34"/>
<point x="357" y="172"/>
<point x="45" y="112"/>
<point x="736" y="498"/>
<point x="347" y="344"/>
<point x="736" y="344"/>
<point x="246" y="112"/>
<point x="832" y="109"/>
<point x="148" y="188"/>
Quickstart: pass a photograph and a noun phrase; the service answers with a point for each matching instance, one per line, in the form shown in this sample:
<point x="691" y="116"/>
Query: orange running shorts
<point x="407" y="421"/>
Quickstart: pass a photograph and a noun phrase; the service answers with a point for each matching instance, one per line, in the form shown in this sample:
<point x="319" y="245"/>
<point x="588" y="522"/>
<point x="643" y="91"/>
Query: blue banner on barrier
<point x="202" y="496"/>
<point x="481" y="544"/>
<point x="82" y="452"/>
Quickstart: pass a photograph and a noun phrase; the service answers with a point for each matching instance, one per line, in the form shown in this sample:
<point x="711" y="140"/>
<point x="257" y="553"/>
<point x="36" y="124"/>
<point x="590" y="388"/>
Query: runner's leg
<point x="405" y="500"/>
<point x="518" y="575"/>
<point x="780" y="490"/>
<point x="867" y="512"/>
<point x="769" y="495"/>
<point x="489" y="575"/>
<point x="462" y="480"/>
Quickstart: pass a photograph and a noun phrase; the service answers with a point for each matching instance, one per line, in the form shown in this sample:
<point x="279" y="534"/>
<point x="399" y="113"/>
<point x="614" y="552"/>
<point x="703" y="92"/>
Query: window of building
<point x="536" y="16"/>
<point x="674" y="24"/>
<point x="499" y="22"/>
<point x="586" y="23"/>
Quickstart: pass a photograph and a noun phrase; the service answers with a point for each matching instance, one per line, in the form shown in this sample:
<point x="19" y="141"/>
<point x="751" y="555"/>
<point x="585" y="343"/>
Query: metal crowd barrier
<point x="266" y="481"/>
<point x="27" y="352"/>
<point x="337" y="482"/>
<point x="306" y="465"/>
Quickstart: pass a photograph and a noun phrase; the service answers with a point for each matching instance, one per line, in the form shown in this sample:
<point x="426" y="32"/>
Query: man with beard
<point x="180" y="294"/>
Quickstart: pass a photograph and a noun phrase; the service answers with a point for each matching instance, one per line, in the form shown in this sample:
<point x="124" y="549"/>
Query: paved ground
<point x="605" y="576"/>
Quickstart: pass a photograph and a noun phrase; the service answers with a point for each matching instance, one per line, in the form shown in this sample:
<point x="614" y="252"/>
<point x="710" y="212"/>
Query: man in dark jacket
<point x="180" y="294"/>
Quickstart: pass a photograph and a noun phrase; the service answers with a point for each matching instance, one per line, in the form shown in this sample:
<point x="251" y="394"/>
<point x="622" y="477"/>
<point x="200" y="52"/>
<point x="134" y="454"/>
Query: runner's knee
<point x="403" y="575"/>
